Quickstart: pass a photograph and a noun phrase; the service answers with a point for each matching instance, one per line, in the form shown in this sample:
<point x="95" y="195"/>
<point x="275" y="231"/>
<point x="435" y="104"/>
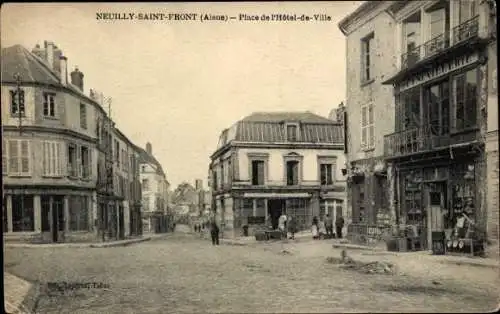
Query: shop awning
<point x="333" y="195"/>
<point x="277" y="195"/>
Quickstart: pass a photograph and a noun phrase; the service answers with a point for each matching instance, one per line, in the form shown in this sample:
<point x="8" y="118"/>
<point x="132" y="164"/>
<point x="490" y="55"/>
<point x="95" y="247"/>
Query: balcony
<point x="460" y="34"/>
<point x="424" y="139"/>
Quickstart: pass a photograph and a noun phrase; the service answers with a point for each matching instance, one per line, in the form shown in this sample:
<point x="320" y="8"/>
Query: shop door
<point x="436" y="208"/>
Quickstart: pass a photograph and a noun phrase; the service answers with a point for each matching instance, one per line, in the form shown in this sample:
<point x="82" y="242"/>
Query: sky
<point x="178" y="84"/>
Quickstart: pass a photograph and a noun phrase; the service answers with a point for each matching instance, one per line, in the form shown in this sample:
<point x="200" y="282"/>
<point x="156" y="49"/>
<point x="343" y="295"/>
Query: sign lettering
<point x="439" y="70"/>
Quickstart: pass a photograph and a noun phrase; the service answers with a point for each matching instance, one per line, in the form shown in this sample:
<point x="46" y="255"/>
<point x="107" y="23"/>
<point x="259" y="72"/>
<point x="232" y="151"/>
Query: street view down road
<point x="184" y="273"/>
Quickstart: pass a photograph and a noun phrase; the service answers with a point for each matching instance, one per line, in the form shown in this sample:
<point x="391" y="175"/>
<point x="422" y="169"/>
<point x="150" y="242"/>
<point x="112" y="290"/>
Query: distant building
<point x="155" y="187"/>
<point x="270" y="163"/>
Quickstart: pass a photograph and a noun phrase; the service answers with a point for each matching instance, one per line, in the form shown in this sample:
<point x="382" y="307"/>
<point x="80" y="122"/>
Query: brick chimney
<point x="63" y="65"/>
<point x="149" y="148"/>
<point x="49" y="52"/>
<point x="77" y="78"/>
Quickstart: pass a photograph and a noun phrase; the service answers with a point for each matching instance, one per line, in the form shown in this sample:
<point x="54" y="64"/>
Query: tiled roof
<point x="17" y="59"/>
<point x="271" y="128"/>
<point x="144" y="157"/>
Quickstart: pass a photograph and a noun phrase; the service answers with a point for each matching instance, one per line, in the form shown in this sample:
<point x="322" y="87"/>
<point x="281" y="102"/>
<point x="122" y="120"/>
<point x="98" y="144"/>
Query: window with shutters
<point x="367" y="127"/>
<point x="17" y="103"/>
<point x="19" y="158"/>
<point x="72" y="160"/>
<point x="83" y="116"/>
<point x="49" y="105"/>
<point x="85" y="162"/>
<point x="52" y="162"/>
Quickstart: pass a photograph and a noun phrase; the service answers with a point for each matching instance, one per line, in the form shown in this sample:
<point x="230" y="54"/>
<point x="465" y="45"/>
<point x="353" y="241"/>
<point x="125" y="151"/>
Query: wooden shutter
<point x="14" y="157"/>
<point x="25" y="157"/>
<point x="79" y="168"/>
<point x="5" y="157"/>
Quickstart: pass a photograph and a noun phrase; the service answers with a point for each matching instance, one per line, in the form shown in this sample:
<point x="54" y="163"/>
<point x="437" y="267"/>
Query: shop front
<point x="439" y="207"/>
<point x="257" y="211"/>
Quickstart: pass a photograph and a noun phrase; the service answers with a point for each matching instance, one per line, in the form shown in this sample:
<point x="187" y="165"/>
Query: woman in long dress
<point x="315" y="229"/>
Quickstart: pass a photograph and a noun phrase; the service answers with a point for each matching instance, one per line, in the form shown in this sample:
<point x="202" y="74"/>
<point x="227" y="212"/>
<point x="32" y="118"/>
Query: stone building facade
<point x="271" y="163"/>
<point x="50" y="149"/>
<point x="438" y="151"/>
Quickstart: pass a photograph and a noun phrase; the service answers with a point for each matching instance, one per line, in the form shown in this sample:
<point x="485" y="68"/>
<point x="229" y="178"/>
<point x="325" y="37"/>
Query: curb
<point x="106" y="245"/>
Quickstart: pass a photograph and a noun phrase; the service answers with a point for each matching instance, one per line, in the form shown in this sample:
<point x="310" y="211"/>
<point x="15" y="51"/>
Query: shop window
<point x="23" y="218"/>
<point x="79" y="213"/>
<point x="297" y="209"/>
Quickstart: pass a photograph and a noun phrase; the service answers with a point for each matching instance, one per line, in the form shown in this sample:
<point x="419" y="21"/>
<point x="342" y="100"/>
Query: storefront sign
<point x="439" y="70"/>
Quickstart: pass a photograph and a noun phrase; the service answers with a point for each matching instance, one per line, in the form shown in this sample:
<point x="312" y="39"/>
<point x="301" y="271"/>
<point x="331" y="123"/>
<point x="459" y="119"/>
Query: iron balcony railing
<point x="407" y="142"/>
<point x="463" y="32"/>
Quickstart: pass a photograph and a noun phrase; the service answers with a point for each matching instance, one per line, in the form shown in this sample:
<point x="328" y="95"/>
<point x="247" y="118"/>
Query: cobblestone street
<point x="184" y="274"/>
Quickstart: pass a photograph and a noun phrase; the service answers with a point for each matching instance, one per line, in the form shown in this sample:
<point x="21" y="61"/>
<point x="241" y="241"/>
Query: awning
<point x="277" y="195"/>
<point x="333" y="195"/>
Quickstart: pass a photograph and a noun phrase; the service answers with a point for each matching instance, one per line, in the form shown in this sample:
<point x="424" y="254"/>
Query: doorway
<point x="276" y="208"/>
<point x="436" y="208"/>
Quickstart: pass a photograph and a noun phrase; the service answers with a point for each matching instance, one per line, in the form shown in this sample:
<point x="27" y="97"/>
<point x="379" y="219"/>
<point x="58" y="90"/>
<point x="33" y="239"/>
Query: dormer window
<point x="292" y="132"/>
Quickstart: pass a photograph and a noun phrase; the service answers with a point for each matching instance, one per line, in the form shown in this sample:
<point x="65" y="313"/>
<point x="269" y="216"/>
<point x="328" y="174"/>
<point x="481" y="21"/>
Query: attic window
<point x="292" y="132"/>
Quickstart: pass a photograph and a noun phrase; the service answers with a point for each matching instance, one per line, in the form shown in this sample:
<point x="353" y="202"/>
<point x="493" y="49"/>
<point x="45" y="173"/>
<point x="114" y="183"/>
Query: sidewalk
<point x="17" y="294"/>
<point x="107" y="244"/>
<point x="443" y="259"/>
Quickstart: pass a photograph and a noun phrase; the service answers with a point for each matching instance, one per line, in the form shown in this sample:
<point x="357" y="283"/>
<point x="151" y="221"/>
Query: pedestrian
<point x="314" y="228"/>
<point x="329" y="226"/>
<point x="282" y="224"/>
<point x="339" y="224"/>
<point x="214" y="232"/>
<point x="292" y="227"/>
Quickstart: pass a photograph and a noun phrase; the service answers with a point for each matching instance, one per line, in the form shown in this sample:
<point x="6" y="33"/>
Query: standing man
<point x="329" y="226"/>
<point x="214" y="232"/>
<point x="339" y="224"/>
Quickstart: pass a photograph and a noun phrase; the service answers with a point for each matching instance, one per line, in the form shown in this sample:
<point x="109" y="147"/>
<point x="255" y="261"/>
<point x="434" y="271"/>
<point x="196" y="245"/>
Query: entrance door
<point x="275" y="208"/>
<point x="57" y="218"/>
<point x="435" y="208"/>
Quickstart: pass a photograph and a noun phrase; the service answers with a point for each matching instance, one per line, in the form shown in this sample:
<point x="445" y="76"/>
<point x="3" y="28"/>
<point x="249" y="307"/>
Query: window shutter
<point x="5" y="157"/>
<point x="45" y="157"/>
<point x="13" y="157"/>
<point x="25" y="157"/>
<point x="79" y="168"/>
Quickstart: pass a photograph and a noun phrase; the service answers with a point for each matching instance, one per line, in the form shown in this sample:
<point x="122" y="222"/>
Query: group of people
<point x="324" y="227"/>
<point x="320" y="228"/>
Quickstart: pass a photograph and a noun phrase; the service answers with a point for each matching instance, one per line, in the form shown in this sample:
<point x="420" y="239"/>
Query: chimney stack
<point x="63" y="61"/>
<point x="77" y="78"/>
<point x="149" y="148"/>
<point x="49" y="48"/>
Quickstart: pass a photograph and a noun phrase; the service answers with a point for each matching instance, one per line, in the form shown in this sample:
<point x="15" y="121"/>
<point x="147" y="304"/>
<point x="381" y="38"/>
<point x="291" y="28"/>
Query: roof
<point x="270" y="127"/>
<point x="17" y="59"/>
<point x="305" y="117"/>
<point x="144" y="157"/>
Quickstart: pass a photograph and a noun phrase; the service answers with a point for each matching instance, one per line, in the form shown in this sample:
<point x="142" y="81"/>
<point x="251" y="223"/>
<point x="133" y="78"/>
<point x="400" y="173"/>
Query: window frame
<point x="297" y="132"/>
<point x="367" y="59"/>
<point x="369" y="142"/>
<point x="13" y="103"/>
<point x="47" y="104"/>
